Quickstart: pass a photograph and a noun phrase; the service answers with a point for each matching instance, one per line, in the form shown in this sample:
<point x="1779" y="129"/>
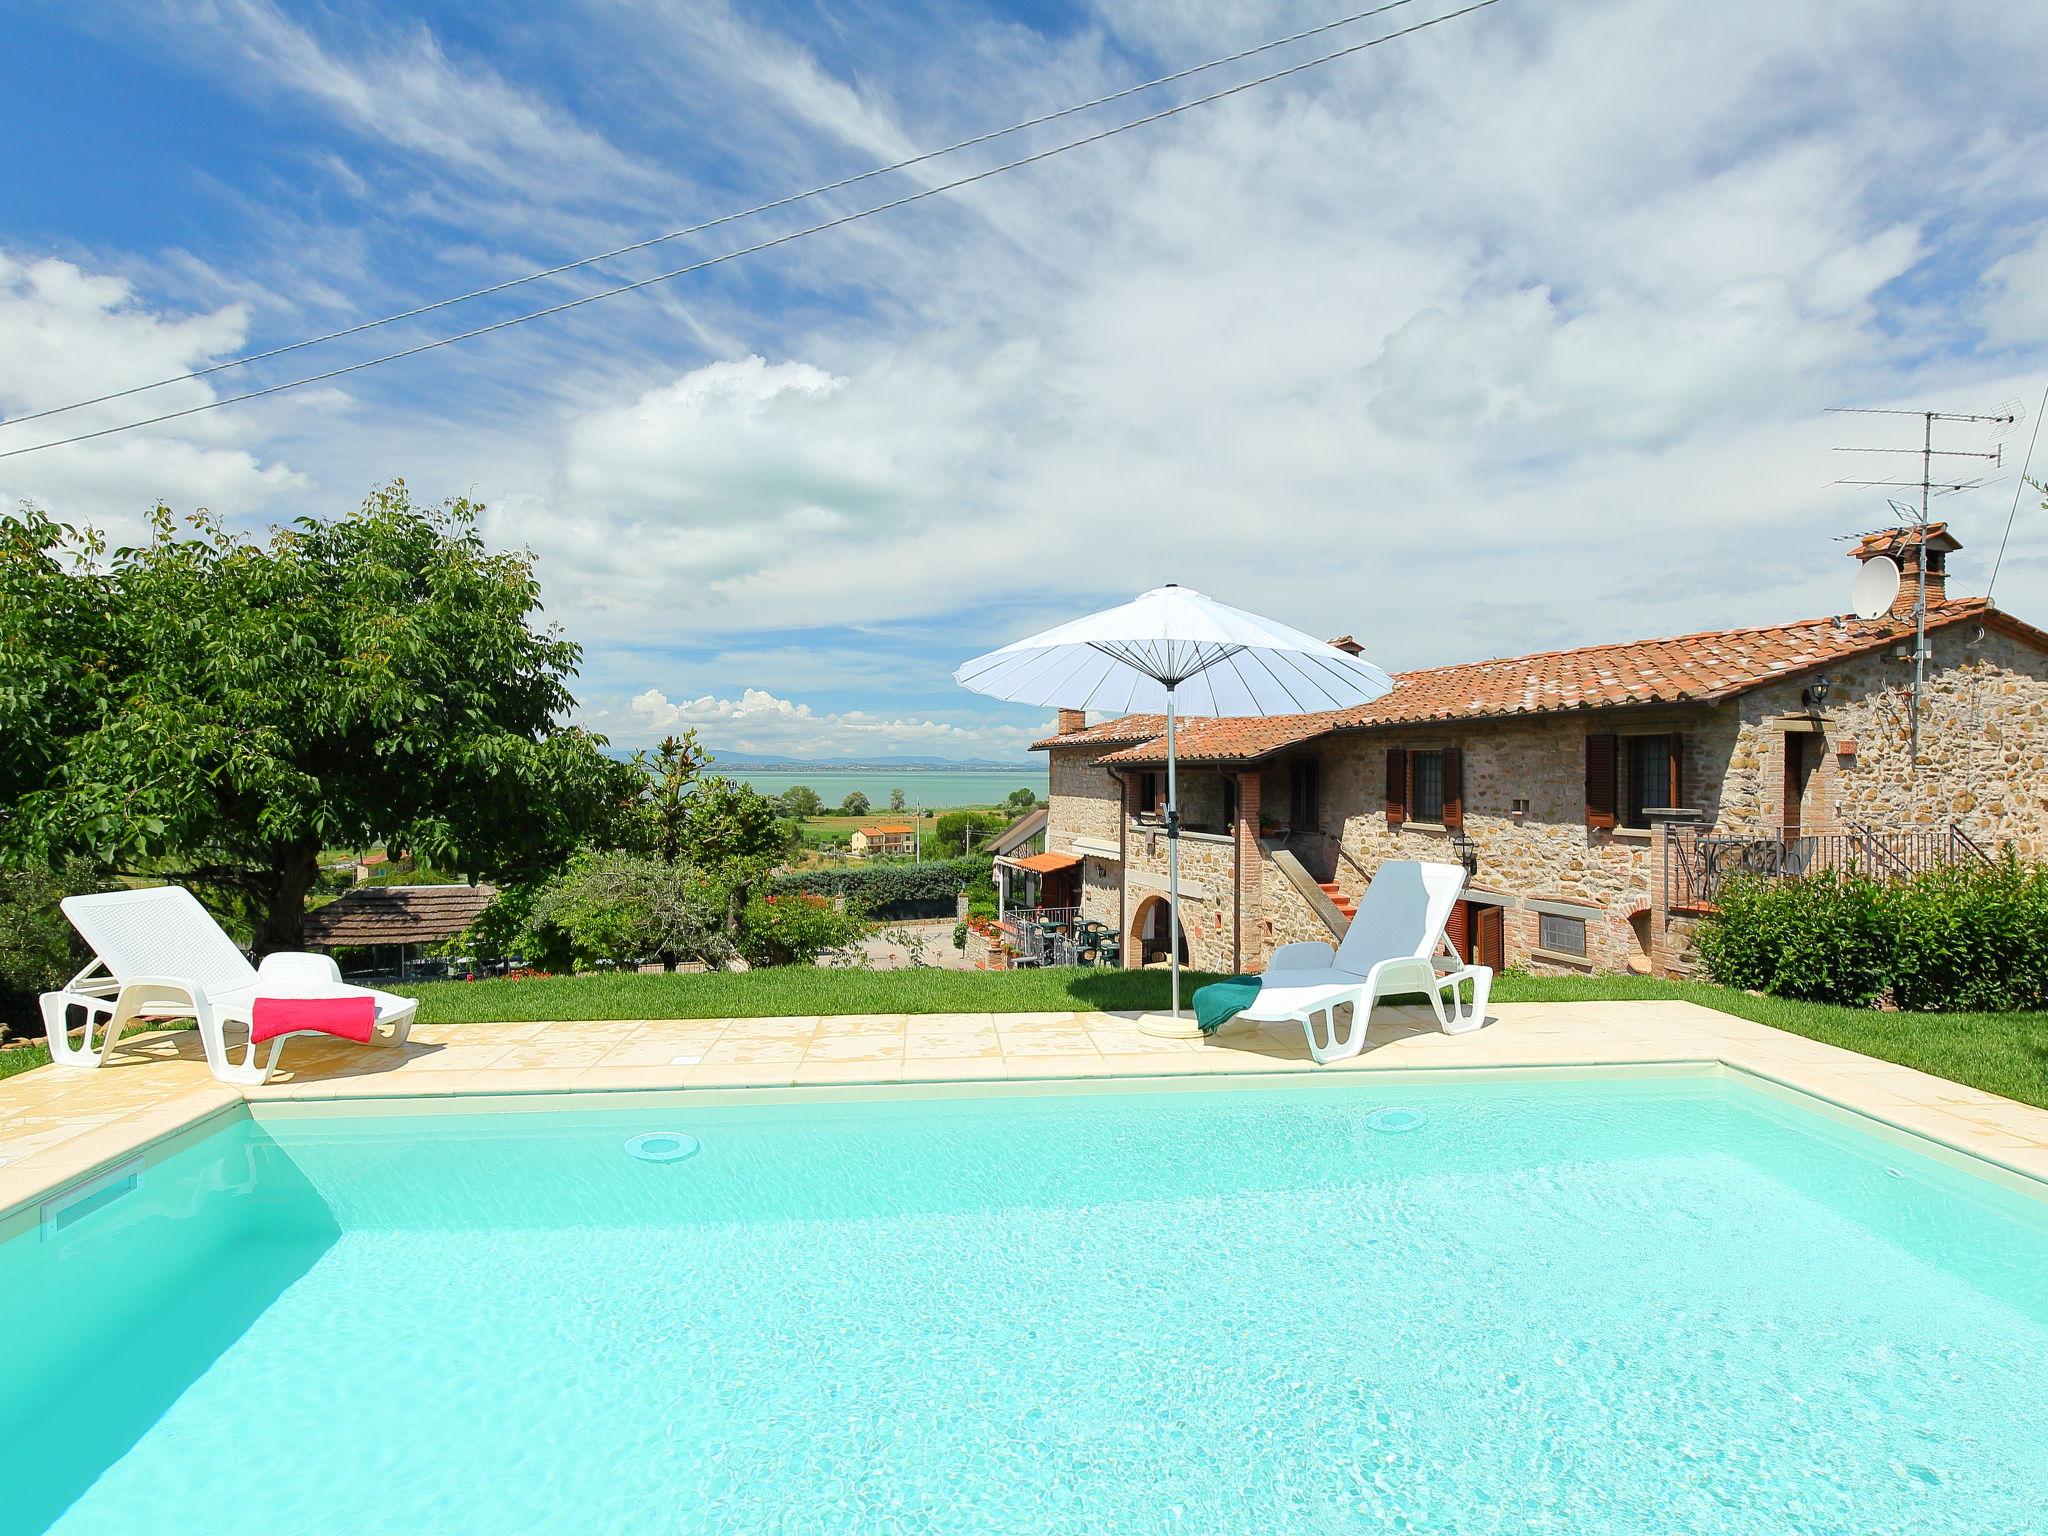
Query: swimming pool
<point x="1622" y="1304"/>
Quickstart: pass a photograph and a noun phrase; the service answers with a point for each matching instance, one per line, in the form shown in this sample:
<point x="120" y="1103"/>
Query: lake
<point x="940" y="788"/>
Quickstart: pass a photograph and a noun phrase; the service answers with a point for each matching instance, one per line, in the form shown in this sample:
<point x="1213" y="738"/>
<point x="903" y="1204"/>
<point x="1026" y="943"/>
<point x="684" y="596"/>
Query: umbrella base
<point x="1167" y="1026"/>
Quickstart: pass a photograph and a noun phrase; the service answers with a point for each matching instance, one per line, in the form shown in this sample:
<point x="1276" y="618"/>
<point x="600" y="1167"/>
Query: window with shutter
<point x="1397" y="786"/>
<point x="1651" y="776"/>
<point x="1426" y="786"/>
<point x="1600" y="796"/>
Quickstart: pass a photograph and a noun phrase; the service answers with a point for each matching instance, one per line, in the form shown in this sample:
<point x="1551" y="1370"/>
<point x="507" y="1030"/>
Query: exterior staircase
<point x="1345" y="904"/>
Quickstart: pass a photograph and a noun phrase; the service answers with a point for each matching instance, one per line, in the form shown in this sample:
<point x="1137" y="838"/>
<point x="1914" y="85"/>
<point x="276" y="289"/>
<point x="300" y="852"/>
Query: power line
<point x="722" y="219"/>
<point x="764" y="245"/>
<point x="2032" y="438"/>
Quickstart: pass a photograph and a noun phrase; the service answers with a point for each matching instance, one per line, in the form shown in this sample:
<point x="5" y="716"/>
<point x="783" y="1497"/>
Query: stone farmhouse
<point x="1595" y="794"/>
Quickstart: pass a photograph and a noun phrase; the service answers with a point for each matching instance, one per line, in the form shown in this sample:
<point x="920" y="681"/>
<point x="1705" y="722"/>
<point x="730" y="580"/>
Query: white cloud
<point x="68" y="334"/>
<point x="759" y="722"/>
<point x="2016" y="296"/>
<point x="1513" y="334"/>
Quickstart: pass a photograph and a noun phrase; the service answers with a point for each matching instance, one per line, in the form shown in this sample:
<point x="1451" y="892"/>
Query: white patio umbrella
<point x="1174" y="652"/>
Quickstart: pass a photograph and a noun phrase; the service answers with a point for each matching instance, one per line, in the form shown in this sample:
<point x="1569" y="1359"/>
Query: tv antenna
<point x="2001" y="422"/>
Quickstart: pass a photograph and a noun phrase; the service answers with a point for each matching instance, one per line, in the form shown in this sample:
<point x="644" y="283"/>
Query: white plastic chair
<point x="159" y="952"/>
<point x="1397" y="942"/>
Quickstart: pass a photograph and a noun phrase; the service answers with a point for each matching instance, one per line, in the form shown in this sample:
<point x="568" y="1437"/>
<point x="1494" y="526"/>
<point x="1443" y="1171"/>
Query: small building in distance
<point x="884" y="840"/>
<point x="389" y="923"/>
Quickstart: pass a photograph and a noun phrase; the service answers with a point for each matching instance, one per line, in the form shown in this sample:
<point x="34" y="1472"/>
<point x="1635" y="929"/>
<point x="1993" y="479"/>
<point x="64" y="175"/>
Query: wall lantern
<point x="1467" y="851"/>
<point x="1816" y="695"/>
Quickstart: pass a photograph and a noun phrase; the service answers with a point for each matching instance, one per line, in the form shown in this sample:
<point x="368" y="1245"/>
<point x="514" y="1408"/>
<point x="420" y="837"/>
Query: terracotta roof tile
<point x="1107" y="733"/>
<point x="397" y="914"/>
<point x="1685" y="669"/>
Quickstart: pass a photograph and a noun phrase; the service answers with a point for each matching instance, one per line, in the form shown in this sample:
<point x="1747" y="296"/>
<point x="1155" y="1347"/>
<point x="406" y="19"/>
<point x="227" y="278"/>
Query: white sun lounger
<point x="1396" y="943"/>
<point x="158" y="952"/>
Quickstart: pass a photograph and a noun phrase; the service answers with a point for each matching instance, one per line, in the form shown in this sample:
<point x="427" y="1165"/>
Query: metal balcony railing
<point x="1698" y="864"/>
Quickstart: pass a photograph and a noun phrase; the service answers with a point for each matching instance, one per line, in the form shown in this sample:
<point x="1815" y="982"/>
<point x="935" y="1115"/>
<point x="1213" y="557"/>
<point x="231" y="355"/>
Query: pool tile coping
<point x="60" y="1126"/>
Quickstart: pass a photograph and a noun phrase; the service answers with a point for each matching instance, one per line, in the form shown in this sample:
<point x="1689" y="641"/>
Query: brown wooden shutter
<point x="1600" y="781"/>
<point x="1459" y="930"/>
<point x="1397" y="786"/>
<point x="1454" y="788"/>
<point x="1677" y="770"/>
<point x="1489" y="939"/>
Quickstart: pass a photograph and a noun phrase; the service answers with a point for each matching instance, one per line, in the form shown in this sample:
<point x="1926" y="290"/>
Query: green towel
<point x="1221" y="1001"/>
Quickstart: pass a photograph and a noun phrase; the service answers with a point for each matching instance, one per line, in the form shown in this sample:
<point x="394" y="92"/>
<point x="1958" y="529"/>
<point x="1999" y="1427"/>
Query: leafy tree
<point x="672" y="774"/>
<point x="1021" y="800"/>
<point x="855" y="804"/>
<point x="895" y="799"/>
<point x="952" y="833"/>
<point x="726" y="822"/>
<point x="216" y="708"/>
<point x="801" y="800"/>
<point x="627" y="907"/>
<point x="794" y="929"/>
<point x="39" y="949"/>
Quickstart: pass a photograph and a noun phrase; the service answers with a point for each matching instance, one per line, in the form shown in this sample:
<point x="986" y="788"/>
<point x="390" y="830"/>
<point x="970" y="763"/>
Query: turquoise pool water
<point x="1659" y="1308"/>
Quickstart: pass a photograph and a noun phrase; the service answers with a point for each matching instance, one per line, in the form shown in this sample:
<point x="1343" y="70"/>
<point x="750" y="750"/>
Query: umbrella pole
<point x="1172" y="856"/>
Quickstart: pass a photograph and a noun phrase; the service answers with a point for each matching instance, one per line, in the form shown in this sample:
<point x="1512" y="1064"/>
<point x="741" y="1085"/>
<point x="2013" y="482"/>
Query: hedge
<point x="878" y="888"/>
<point x="1959" y="939"/>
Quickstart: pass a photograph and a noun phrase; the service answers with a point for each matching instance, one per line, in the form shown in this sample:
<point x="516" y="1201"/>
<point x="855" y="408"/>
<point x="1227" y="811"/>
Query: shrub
<point x="885" y="889"/>
<point x="1967" y="938"/>
<point x="1823" y="939"/>
<point x="623" y="908"/>
<point x="38" y="948"/>
<point x="1973" y="939"/>
<point x="795" y="928"/>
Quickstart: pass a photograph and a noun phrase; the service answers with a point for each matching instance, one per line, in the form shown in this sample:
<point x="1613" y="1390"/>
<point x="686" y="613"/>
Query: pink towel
<point x="350" y="1018"/>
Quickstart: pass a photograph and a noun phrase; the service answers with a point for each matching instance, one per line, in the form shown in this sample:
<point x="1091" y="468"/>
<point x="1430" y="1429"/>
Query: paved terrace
<point x="57" y="1124"/>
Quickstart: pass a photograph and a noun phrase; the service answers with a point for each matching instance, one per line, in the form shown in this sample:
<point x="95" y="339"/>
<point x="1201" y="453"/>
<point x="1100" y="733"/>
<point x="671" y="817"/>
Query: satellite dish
<point x="1877" y="587"/>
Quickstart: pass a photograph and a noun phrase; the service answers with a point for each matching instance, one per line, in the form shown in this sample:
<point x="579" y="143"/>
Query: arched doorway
<point x="1148" y="932"/>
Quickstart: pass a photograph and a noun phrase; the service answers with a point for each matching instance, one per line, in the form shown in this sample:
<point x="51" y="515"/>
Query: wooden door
<point x="1459" y="929"/>
<point x="1798" y="769"/>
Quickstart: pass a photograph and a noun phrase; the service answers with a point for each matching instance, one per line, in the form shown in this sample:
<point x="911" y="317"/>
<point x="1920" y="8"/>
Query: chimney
<point x="1347" y="645"/>
<point x="1070" y="721"/>
<point x="1902" y="547"/>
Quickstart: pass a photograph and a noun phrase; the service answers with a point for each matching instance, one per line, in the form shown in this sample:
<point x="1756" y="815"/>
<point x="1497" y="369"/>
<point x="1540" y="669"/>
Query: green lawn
<point x="2002" y="1053"/>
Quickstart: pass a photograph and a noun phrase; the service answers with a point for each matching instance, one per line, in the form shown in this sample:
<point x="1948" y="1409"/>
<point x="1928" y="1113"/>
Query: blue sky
<point x="1512" y="335"/>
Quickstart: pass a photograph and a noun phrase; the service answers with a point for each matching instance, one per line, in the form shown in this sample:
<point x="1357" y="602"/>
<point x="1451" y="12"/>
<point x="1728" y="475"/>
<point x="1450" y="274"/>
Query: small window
<point x="1426" y="786"/>
<point x="1561" y="935"/>
<point x="1150" y="792"/>
<point x="1303" y="811"/>
<point x="1648" y="777"/>
<point x="1521" y="807"/>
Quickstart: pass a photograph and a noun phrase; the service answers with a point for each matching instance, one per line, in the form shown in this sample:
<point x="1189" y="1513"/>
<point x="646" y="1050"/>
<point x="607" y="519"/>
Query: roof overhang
<point x="1043" y="863"/>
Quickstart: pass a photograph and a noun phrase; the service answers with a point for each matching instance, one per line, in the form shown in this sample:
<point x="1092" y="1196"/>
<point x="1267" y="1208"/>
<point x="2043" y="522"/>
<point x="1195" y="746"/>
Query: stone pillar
<point x="1249" y="947"/>
<point x="1665" y="946"/>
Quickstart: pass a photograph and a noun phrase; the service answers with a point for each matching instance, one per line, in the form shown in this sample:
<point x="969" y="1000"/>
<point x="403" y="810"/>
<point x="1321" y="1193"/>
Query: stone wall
<point x="1983" y="745"/>
<point x="1083" y="798"/>
<point x="1286" y="916"/>
<point x="1207" y="890"/>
